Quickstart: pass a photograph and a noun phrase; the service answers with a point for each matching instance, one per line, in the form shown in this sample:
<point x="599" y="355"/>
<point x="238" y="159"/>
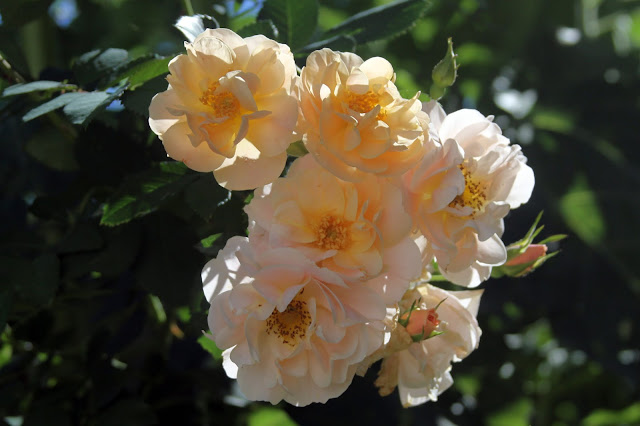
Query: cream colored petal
<point x="274" y="133"/>
<point x="178" y="146"/>
<point x="160" y="119"/>
<point x="358" y="83"/>
<point x="377" y="67"/>
<point x="248" y="169"/>
<point x="294" y="225"/>
<point x="231" y="39"/>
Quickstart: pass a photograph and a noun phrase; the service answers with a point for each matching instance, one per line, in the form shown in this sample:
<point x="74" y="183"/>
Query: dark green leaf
<point x="382" y="22"/>
<point x="52" y="105"/>
<point x="34" y="282"/>
<point x="6" y="301"/>
<point x="342" y="43"/>
<point x="83" y="237"/>
<point x="128" y="412"/>
<point x="169" y="265"/>
<point x="121" y="247"/>
<point x="205" y="195"/>
<point x="295" y="20"/>
<point x="42" y="85"/>
<point x="144" y="192"/>
<point x="96" y="64"/>
<point x="266" y="28"/>
<point x="78" y="106"/>
<point x="139" y="99"/>
<point x="83" y="108"/>
<point x="53" y="150"/>
<point x="18" y="13"/>
<point x="142" y="70"/>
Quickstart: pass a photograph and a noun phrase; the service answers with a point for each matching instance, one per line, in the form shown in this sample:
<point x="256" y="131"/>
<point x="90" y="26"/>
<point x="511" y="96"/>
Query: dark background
<point x="102" y="323"/>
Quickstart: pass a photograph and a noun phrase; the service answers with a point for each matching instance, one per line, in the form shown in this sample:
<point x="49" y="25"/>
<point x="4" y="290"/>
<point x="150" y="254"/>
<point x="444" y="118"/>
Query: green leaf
<point x="517" y="413"/>
<point x="209" y="345"/>
<point x="580" y="210"/>
<point x="83" y="108"/>
<point x="265" y="27"/>
<point x="36" y="86"/>
<point x="51" y="105"/>
<point x="342" y="43"/>
<point x="295" y="20"/>
<point x="94" y="65"/>
<point x="208" y="242"/>
<point x="270" y="416"/>
<point x="382" y="22"/>
<point x="204" y="195"/>
<point x="138" y="100"/>
<point x="78" y="106"/>
<point x="142" y="70"/>
<point x="144" y="192"/>
<point x="602" y="417"/>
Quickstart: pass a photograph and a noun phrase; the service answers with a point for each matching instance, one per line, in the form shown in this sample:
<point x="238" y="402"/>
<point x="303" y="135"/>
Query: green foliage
<point x="381" y="22"/>
<point x="268" y="416"/>
<point x="36" y="86"/>
<point x="295" y="20"/>
<point x="209" y="345"/>
<point x="102" y="239"/>
<point x="627" y="416"/>
<point x="144" y="192"/>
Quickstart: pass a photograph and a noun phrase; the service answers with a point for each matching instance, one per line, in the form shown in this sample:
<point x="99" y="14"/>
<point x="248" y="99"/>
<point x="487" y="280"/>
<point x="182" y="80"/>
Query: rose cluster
<point x="333" y="275"/>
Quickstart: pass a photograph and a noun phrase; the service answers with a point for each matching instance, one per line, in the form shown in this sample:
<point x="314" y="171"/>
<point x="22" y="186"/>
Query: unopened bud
<point x="421" y="324"/>
<point x="445" y="72"/>
<point x="532" y="257"/>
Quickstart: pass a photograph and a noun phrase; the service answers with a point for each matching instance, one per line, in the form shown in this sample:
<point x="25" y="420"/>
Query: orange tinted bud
<point x="532" y="253"/>
<point x="422" y="322"/>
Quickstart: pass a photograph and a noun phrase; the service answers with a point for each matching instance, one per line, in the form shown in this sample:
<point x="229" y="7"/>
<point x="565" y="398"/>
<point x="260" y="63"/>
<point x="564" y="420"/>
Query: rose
<point x="229" y="108"/>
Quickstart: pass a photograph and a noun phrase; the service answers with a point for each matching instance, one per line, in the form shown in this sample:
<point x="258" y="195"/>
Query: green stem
<point x="189" y="7"/>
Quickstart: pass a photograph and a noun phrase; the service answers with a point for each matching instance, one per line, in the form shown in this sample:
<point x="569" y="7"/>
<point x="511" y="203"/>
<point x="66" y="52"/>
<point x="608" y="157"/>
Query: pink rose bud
<point x="532" y="253"/>
<point x="422" y="323"/>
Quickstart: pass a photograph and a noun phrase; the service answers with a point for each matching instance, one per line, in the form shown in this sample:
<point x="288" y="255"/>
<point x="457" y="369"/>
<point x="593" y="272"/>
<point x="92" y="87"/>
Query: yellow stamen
<point x="474" y="194"/>
<point x="223" y="104"/>
<point x="332" y="233"/>
<point x="365" y="103"/>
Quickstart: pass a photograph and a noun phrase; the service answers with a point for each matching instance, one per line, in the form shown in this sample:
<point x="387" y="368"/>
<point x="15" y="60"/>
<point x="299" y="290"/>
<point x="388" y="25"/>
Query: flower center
<point x="223" y="104"/>
<point x="290" y="326"/>
<point x="364" y="103"/>
<point x="332" y="233"/>
<point x="474" y="194"/>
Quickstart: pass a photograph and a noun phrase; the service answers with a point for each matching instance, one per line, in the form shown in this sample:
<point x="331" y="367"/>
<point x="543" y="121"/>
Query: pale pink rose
<point x="358" y="229"/>
<point x="356" y="120"/>
<point x="466" y="183"/>
<point x="290" y="330"/>
<point x="229" y="108"/>
<point x="421" y="371"/>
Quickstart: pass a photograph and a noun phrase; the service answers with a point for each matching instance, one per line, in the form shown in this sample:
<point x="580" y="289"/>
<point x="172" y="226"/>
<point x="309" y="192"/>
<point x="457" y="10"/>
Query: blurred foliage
<point x="102" y="239"/>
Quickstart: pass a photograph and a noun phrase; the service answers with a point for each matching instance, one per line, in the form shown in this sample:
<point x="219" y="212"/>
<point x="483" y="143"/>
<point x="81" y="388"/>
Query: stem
<point x="189" y="7"/>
